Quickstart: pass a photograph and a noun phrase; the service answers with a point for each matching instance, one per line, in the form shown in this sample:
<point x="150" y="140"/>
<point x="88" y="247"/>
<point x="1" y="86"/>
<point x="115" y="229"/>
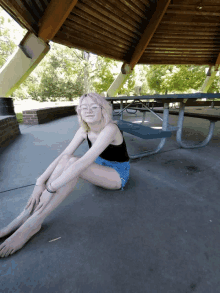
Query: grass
<point x="19" y="117"/>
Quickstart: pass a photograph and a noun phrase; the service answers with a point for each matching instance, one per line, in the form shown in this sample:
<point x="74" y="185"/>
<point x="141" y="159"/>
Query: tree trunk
<point x="86" y="73"/>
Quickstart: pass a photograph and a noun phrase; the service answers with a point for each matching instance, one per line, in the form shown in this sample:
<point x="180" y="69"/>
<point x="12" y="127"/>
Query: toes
<point x="2" y="246"/>
<point x="8" y="252"/>
<point x="3" y="251"/>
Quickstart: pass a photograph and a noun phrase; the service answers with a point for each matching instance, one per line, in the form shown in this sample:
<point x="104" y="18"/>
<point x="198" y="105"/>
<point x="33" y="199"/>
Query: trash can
<point x="7" y="107"/>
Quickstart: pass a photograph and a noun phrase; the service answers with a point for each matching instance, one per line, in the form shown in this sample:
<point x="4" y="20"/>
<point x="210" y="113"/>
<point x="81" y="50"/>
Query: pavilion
<point x="131" y="31"/>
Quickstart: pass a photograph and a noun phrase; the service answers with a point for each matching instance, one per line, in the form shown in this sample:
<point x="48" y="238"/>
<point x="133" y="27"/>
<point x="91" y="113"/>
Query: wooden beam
<point x="54" y="16"/>
<point x="217" y="62"/>
<point x="149" y="31"/>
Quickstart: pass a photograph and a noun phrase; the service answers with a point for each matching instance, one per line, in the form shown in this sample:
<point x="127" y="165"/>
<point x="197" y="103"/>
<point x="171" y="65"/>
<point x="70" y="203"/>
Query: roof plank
<point x="90" y="21"/>
<point x="134" y="7"/>
<point x="81" y="44"/>
<point x="88" y="26"/>
<point x="83" y="34"/>
<point x="95" y="16"/>
<point x="96" y="8"/>
<point x="149" y="31"/>
<point x="121" y="10"/>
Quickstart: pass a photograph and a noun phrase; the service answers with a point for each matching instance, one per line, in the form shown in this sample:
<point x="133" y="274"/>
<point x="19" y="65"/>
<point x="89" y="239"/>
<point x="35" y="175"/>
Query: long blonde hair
<point x="105" y="107"/>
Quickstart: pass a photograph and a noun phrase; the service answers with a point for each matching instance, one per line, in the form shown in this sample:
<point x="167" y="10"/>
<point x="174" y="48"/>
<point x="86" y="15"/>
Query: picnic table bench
<point x="181" y="114"/>
<point x="146" y="132"/>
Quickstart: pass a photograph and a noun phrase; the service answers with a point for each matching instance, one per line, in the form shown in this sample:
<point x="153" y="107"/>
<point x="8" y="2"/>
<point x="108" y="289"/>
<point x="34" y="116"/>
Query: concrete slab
<point x="161" y="234"/>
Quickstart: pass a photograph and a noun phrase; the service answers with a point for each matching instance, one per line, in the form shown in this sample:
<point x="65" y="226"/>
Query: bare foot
<point x="17" y="240"/>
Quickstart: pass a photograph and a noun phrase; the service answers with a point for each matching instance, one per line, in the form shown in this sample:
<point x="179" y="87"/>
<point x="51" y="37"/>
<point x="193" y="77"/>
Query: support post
<point x="28" y="55"/>
<point x="119" y="81"/>
<point x="209" y="79"/>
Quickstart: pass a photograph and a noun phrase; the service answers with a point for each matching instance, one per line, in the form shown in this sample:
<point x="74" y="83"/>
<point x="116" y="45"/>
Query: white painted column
<point x="209" y="79"/>
<point x="119" y="81"/>
<point x="28" y="55"/>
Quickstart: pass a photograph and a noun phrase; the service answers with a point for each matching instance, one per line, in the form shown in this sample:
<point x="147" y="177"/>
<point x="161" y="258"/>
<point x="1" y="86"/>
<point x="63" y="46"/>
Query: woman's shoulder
<point x="113" y="125"/>
<point x="83" y="132"/>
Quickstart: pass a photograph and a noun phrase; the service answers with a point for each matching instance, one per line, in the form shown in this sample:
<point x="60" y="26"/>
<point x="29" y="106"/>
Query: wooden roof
<point x="132" y="31"/>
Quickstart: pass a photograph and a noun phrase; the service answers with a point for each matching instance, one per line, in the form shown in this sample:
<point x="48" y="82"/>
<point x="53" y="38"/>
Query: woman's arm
<point x="106" y="136"/>
<point x="43" y="178"/>
<point x="69" y="150"/>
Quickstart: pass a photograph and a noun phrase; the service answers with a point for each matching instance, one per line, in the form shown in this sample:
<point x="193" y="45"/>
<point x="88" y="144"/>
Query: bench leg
<point x="162" y="141"/>
<point x="121" y="108"/>
<point x="180" y="128"/>
<point x="144" y="114"/>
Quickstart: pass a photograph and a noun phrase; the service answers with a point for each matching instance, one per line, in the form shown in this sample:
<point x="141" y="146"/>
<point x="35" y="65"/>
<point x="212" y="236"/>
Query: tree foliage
<point x="103" y="76"/>
<point x="179" y="79"/>
<point x="7" y="46"/>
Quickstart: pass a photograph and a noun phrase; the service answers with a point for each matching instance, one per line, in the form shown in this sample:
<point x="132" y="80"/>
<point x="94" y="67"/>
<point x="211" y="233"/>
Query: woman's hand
<point x="44" y="200"/>
<point x="35" y="197"/>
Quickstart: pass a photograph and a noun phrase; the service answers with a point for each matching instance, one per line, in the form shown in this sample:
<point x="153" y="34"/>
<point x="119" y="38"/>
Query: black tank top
<point x="117" y="153"/>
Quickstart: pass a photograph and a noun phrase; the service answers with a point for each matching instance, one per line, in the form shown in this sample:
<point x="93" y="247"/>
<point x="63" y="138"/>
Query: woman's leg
<point x="26" y="213"/>
<point x="96" y="174"/>
<point x="33" y="224"/>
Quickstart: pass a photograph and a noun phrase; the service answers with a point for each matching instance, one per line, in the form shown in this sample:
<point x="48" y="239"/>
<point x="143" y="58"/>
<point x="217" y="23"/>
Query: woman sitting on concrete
<point x="105" y="164"/>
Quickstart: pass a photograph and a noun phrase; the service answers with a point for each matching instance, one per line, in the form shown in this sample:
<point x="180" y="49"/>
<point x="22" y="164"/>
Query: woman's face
<point x="91" y="112"/>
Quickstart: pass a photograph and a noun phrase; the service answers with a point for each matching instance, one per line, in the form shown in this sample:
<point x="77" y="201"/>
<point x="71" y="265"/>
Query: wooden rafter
<point x="217" y="63"/>
<point x="162" y="6"/>
<point x="56" y="13"/>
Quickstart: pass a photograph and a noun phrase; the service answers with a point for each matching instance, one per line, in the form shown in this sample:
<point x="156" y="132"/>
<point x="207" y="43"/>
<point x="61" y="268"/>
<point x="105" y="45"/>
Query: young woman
<point x="105" y="164"/>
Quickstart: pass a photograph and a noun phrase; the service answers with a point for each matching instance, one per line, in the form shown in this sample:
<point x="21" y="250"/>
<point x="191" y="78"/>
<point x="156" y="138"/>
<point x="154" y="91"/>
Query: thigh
<point x="102" y="176"/>
<point x="99" y="175"/>
<point x="96" y="174"/>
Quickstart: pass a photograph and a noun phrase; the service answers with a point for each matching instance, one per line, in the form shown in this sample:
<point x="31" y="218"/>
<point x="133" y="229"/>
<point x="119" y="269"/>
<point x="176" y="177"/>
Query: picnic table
<point x="146" y="132"/>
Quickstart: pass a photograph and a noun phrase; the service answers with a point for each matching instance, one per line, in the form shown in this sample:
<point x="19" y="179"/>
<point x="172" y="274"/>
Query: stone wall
<point x="9" y="130"/>
<point x="40" y="116"/>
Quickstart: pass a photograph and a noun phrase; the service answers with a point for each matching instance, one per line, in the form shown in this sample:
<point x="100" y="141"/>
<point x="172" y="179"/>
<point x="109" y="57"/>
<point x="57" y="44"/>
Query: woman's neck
<point x="96" y="128"/>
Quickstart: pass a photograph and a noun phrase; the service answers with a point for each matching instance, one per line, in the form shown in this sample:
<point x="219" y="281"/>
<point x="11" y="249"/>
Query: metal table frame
<point x="165" y="124"/>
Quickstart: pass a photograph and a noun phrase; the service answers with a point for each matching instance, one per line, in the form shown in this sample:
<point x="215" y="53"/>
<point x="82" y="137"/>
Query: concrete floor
<point x="159" y="235"/>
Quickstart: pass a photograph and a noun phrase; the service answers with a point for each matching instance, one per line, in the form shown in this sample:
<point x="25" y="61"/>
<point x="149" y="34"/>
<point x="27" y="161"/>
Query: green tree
<point x="57" y="76"/>
<point x="102" y="76"/>
<point x="128" y="88"/>
<point x="175" y="78"/>
<point x="7" y="46"/>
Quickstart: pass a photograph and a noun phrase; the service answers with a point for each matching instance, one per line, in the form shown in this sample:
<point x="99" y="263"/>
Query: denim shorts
<point x="122" y="168"/>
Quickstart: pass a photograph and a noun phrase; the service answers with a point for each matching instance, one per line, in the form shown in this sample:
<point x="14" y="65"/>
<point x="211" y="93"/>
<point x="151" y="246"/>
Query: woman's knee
<point x="65" y="157"/>
<point x="72" y="159"/>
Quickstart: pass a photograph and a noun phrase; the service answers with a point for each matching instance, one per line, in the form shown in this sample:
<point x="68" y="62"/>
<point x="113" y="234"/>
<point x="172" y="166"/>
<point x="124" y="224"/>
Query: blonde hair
<point x="105" y="107"/>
